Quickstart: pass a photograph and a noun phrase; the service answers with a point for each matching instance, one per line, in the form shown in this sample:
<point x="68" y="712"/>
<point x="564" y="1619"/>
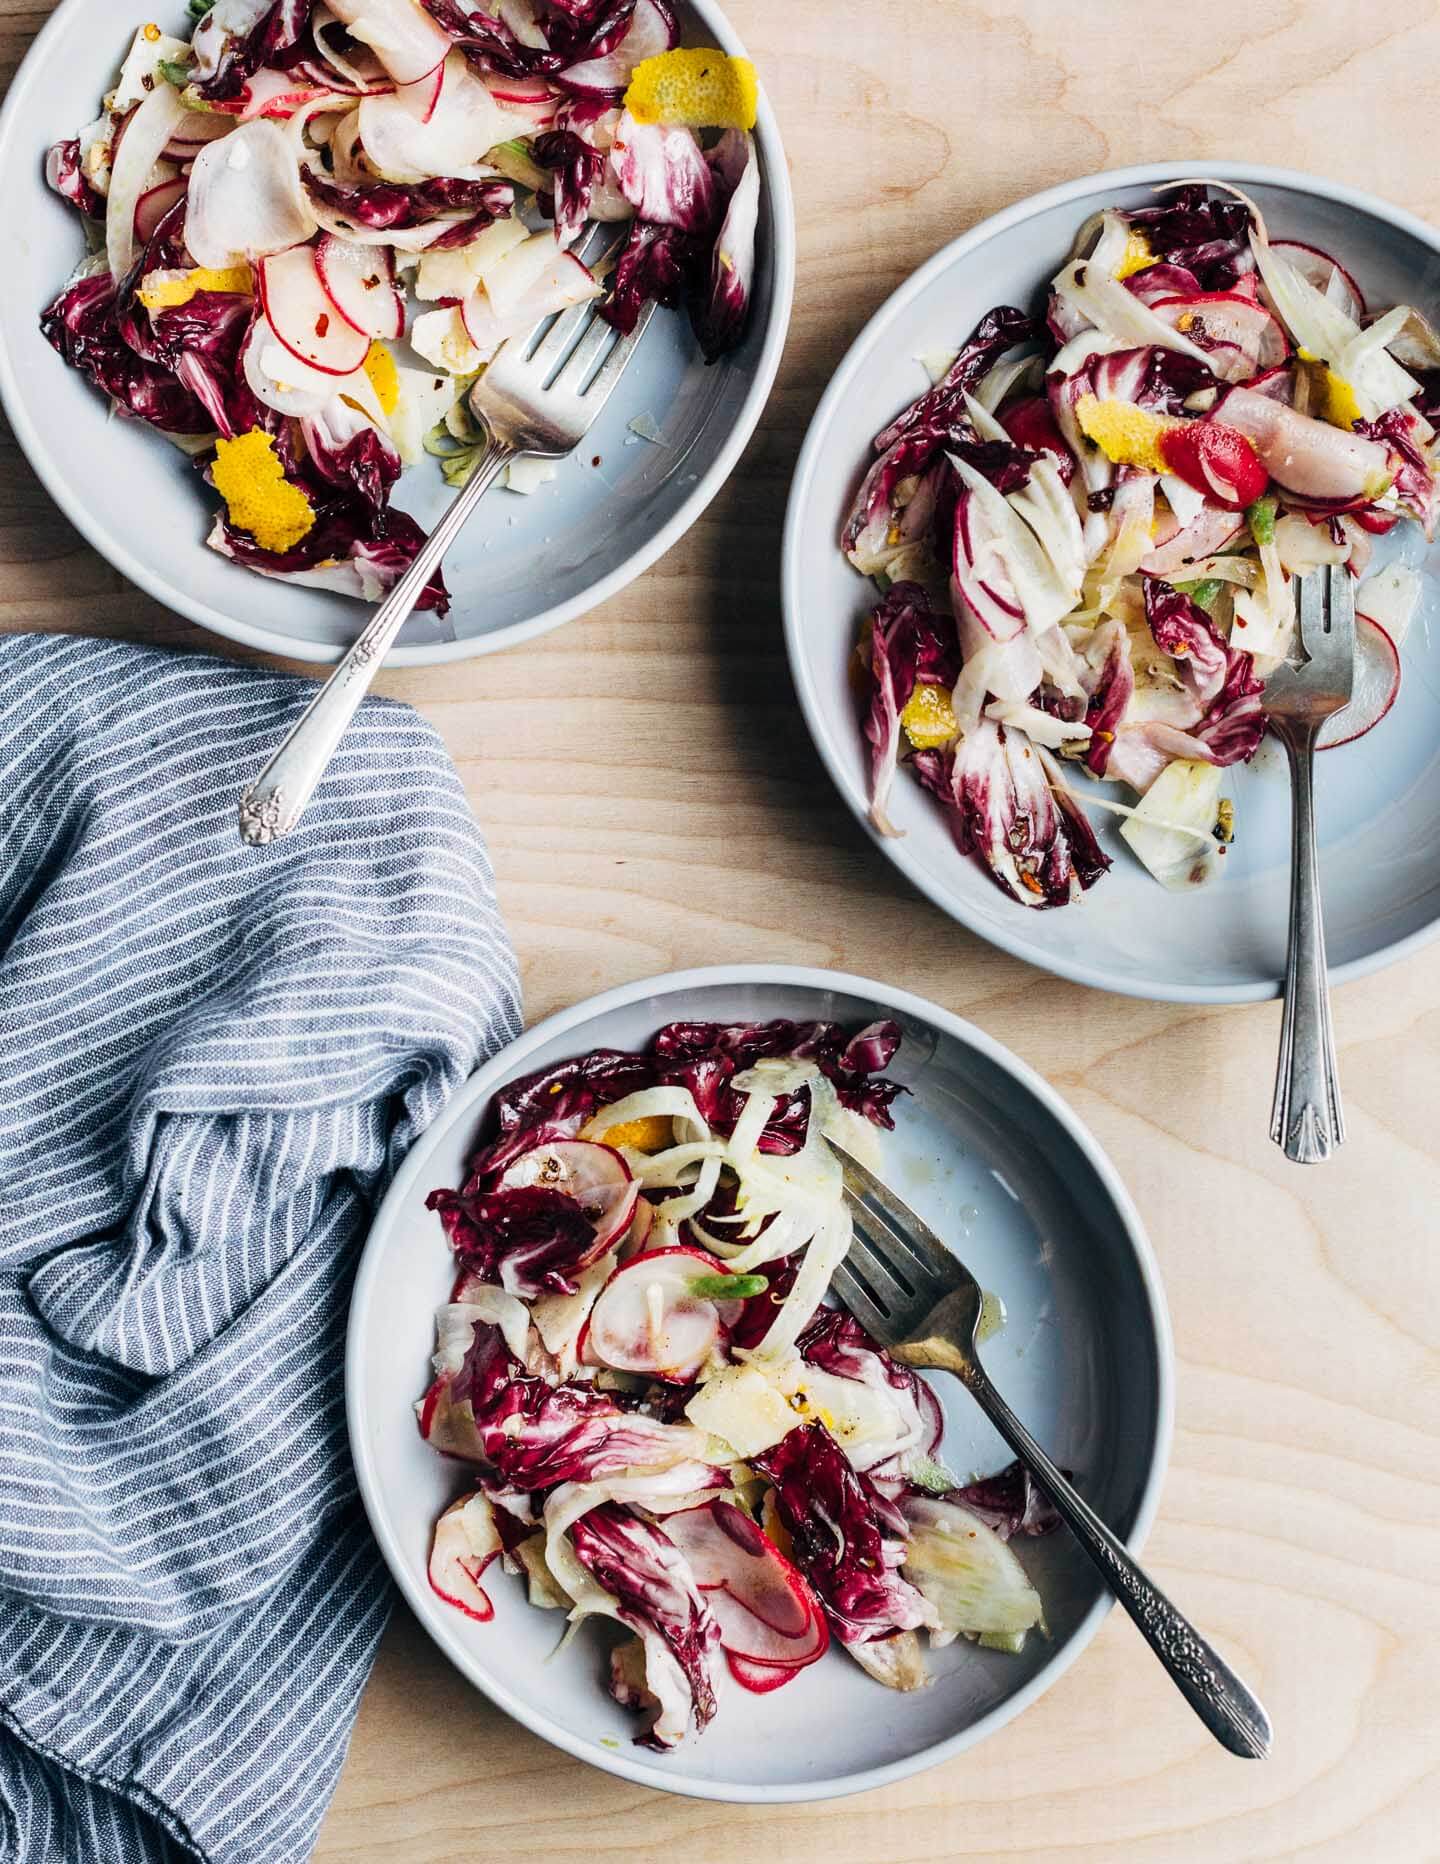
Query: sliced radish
<point x="530" y="98"/>
<point x="767" y="1614"/>
<point x="356" y="73"/>
<point x="761" y="1678"/>
<point x="279" y="380"/>
<point x="146" y="134"/>
<point x="401" y="33"/>
<point x="1391" y="597"/>
<point x="245" y="198"/>
<point x="1204" y="537"/>
<point x="194" y="130"/>
<point x="420" y="131"/>
<point x="1377" y="683"/>
<point x="360" y="283"/>
<point x="595" y="1176"/>
<point x="303" y="318"/>
<point x="650" y="1319"/>
<point x="154" y="204"/>
<point x="1307" y="456"/>
<point x="278" y="94"/>
<point x="1240" y="338"/>
<point x="653" y="29"/>
<point x="466" y="1541"/>
<point x="1325" y="274"/>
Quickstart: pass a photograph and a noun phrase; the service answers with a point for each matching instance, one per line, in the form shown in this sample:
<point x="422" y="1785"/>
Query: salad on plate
<point x="662" y="1423"/>
<point x="314" y="222"/>
<point x="1085" y="534"/>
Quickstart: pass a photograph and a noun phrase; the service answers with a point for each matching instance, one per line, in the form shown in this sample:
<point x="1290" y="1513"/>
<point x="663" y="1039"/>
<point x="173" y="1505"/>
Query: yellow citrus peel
<point x="1136" y="256"/>
<point x="694" y="88"/>
<point x="1124" y="433"/>
<point x="384" y="376"/>
<point x="651" y="1134"/>
<point x="166" y="291"/>
<point x="250" y="478"/>
<point x="929" y="718"/>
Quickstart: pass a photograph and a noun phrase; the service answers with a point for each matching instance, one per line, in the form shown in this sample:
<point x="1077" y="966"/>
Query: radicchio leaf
<point x="1003" y="809"/>
<point x="1210" y="238"/>
<point x="849" y="1541"/>
<point x="530" y="1239"/>
<point x="1009" y="1502"/>
<point x="909" y="646"/>
<point x="1220" y="678"/>
<point x="278" y="40"/>
<point x="657" y="1595"/>
<point x="383" y="205"/>
<point x="66" y="176"/>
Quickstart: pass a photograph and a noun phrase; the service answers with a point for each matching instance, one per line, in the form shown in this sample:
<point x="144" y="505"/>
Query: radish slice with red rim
<point x="766" y="1611"/>
<point x="405" y="39"/>
<point x="651" y="1319"/>
<point x="302" y="316"/>
<point x="154" y="204"/>
<point x="1240" y="338"/>
<point x="466" y="1541"/>
<point x="595" y="1176"/>
<point x="760" y="1678"/>
<point x="653" y="29"/>
<point x="1377" y="683"/>
<point x="1325" y="274"/>
<point x="360" y="283"/>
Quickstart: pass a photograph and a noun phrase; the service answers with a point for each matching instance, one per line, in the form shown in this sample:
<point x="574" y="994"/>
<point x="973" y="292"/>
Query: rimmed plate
<point x="1377" y="800"/>
<point x="523" y="566"/>
<point x="993" y="1158"/>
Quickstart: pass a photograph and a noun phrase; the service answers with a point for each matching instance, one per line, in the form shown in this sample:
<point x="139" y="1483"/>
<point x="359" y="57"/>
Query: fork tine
<point x="882" y="1273"/>
<point x="902" y="1226"/>
<point x="613" y="367"/>
<point x="549" y="352"/>
<point x="1310" y="613"/>
<point x="1340" y="609"/>
<point x="858" y="1299"/>
<point x="583" y="357"/>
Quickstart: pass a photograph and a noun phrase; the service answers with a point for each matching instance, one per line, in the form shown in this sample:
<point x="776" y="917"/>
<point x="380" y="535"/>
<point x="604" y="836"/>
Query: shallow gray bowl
<point x="1378" y="799"/>
<point x="523" y="565"/>
<point x="998" y="1163"/>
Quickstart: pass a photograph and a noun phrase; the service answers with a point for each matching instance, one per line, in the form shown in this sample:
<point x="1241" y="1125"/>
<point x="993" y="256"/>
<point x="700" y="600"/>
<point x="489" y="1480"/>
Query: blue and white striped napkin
<point x="212" y="1058"/>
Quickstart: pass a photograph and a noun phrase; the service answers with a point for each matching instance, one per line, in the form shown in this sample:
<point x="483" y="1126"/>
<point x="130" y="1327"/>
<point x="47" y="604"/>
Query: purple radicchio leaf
<point x="659" y="263"/>
<point x="1210" y="238"/>
<point x="1109" y="687"/>
<point x="1402" y="432"/>
<point x="530" y="1239"/>
<point x="383" y="205"/>
<point x="663" y="173"/>
<point x="909" y="646"/>
<point x="1219" y="678"/>
<point x="938" y="419"/>
<point x="1003" y="808"/>
<point x="849" y="1540"/>
<point x="720" y="314"/>
<point x="66" y="176"/>
<point x="657" y="1595"/>
<point x="277" y="40"/>
<point x="1008" y="1502"/>
<point x="575" y="168"/>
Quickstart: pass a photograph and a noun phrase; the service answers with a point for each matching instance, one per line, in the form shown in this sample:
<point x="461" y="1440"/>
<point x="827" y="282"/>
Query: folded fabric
<point x="213" y="1059"/>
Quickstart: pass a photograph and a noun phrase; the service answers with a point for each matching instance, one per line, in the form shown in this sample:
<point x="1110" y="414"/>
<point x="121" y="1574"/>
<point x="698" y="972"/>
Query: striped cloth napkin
<point x="213" y="1059"/>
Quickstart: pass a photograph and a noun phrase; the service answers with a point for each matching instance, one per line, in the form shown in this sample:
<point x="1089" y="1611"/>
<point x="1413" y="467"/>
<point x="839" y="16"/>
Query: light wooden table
<point x="651" y="801"/>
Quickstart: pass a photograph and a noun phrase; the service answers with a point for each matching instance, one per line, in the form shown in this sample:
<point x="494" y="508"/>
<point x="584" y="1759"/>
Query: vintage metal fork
<point x="540" y="395"/>
<point x="1307" y="1119"/>
<point x="902" y="1283"/>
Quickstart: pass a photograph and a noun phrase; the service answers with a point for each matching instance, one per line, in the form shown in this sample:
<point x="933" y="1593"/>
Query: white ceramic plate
<point x="524" y="565"/>
<point x="1378" y="800"/>
<point x="993" y="1158"/>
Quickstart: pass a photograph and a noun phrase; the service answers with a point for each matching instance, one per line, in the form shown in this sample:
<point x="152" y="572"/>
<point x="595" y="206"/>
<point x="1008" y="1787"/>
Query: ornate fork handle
<point x="1307" y="1119"/>
<point x="1209" y="1685"/>
<point x="278" y="798"/>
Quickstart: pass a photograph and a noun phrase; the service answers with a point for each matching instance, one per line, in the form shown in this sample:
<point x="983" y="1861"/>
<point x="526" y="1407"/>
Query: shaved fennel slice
<point x="649" y="1103"/>
<point x="455" y="1326"/>
<point x="1045" y="590"/>
<point x="1390" y="597"/>
<point x="1102" y="300"/>
<point x="245" y="199"/>
<point x="1186" y="792"/>
<point x="146" y="135"/>
<point x="827" y="1250"/>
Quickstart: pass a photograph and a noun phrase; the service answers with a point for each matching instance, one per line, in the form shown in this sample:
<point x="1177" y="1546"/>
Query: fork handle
<point x="1208" y="1684"/>
<point x="279" y="796"/>
<point x="1307" y="1120"/>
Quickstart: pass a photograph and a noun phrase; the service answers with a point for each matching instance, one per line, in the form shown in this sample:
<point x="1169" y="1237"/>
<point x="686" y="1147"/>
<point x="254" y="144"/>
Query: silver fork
<point x="1307" y="1119"/>
<point x="922" y="1303"/>
<point x="540" y="395"/>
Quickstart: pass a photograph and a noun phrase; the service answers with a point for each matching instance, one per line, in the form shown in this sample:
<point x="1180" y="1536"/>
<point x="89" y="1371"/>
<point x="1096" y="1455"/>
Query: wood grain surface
<point x="652" y="801"/>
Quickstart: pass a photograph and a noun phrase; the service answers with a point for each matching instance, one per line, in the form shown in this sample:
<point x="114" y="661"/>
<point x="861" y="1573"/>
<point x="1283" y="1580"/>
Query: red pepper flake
<point x="322" y="324"/>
